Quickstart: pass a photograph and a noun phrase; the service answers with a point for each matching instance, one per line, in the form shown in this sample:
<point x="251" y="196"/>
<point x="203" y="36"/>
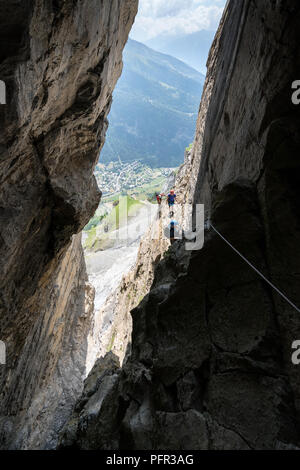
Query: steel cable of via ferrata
<point x="209" y="224"/>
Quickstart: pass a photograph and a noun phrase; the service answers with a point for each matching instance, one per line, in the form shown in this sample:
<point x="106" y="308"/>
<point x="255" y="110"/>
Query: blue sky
<point x="175" y="17"/>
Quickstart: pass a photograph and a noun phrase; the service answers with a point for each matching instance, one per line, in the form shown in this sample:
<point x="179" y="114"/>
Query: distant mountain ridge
<point x="154" y="110"/>
<point x="192" y="48"/>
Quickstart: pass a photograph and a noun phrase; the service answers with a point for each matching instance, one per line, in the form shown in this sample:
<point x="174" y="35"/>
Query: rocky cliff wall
<point x="210" y="366"/>
<point x="60" y="61"/>
<point x="112" y="325"/>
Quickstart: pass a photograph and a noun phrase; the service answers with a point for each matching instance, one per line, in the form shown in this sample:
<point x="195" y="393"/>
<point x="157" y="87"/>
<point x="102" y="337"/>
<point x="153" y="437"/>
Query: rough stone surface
<point x="134" y="286"/>
<point x="211" y="342"/>
<point x="60" y="60"/>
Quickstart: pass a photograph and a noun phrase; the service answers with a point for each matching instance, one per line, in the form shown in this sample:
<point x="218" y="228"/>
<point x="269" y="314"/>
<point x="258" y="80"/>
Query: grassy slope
<point x="115" y="220"/>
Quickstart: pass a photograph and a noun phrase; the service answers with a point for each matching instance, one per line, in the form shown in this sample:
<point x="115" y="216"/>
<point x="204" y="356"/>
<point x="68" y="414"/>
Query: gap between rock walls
<point x="113" y="334"/>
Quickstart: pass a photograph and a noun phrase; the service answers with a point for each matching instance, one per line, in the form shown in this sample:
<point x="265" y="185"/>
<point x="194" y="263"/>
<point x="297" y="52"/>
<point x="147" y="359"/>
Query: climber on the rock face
<point x="159" y="198"/>
<point x="173" y="231"/>
<point x="171" y="198"/>
<point x="171" y="201"/>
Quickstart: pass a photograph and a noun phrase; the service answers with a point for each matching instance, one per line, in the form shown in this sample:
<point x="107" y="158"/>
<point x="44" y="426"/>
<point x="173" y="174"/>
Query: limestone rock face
<point x="210" y="366"/>
<point x="60" y="61"/>
<point x="114" y="317"/>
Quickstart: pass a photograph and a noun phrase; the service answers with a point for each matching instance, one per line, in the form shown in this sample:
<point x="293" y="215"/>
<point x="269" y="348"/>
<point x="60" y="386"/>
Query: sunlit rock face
<point x="60" y="61"/>
<point x="210" y="366"/>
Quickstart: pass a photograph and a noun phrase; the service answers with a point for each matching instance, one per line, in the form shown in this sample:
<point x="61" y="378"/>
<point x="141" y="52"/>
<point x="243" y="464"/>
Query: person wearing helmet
<point x="159" y="198"/>
<point x="173" y="231"/>
<point x="171" y="198"/>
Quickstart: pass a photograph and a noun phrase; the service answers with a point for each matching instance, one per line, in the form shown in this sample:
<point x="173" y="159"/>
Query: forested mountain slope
<point x="154" y="110"/>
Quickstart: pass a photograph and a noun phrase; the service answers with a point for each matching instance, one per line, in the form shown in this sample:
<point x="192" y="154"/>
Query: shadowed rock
<point x="210" y="366"/>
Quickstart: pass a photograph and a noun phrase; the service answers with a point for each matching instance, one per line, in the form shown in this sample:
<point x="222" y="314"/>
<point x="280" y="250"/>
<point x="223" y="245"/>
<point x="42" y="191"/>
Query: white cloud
<point x="175" y="17"/>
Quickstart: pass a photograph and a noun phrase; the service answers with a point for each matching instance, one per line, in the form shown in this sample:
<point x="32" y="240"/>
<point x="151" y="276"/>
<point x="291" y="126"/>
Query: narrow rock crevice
<point x="210" y="366"/>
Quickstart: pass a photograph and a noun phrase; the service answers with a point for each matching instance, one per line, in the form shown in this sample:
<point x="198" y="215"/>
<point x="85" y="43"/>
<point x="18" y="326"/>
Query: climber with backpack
<point x="171" y="198"/>
<point x="171" y="201"/>
<point x="159" y="198"/>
